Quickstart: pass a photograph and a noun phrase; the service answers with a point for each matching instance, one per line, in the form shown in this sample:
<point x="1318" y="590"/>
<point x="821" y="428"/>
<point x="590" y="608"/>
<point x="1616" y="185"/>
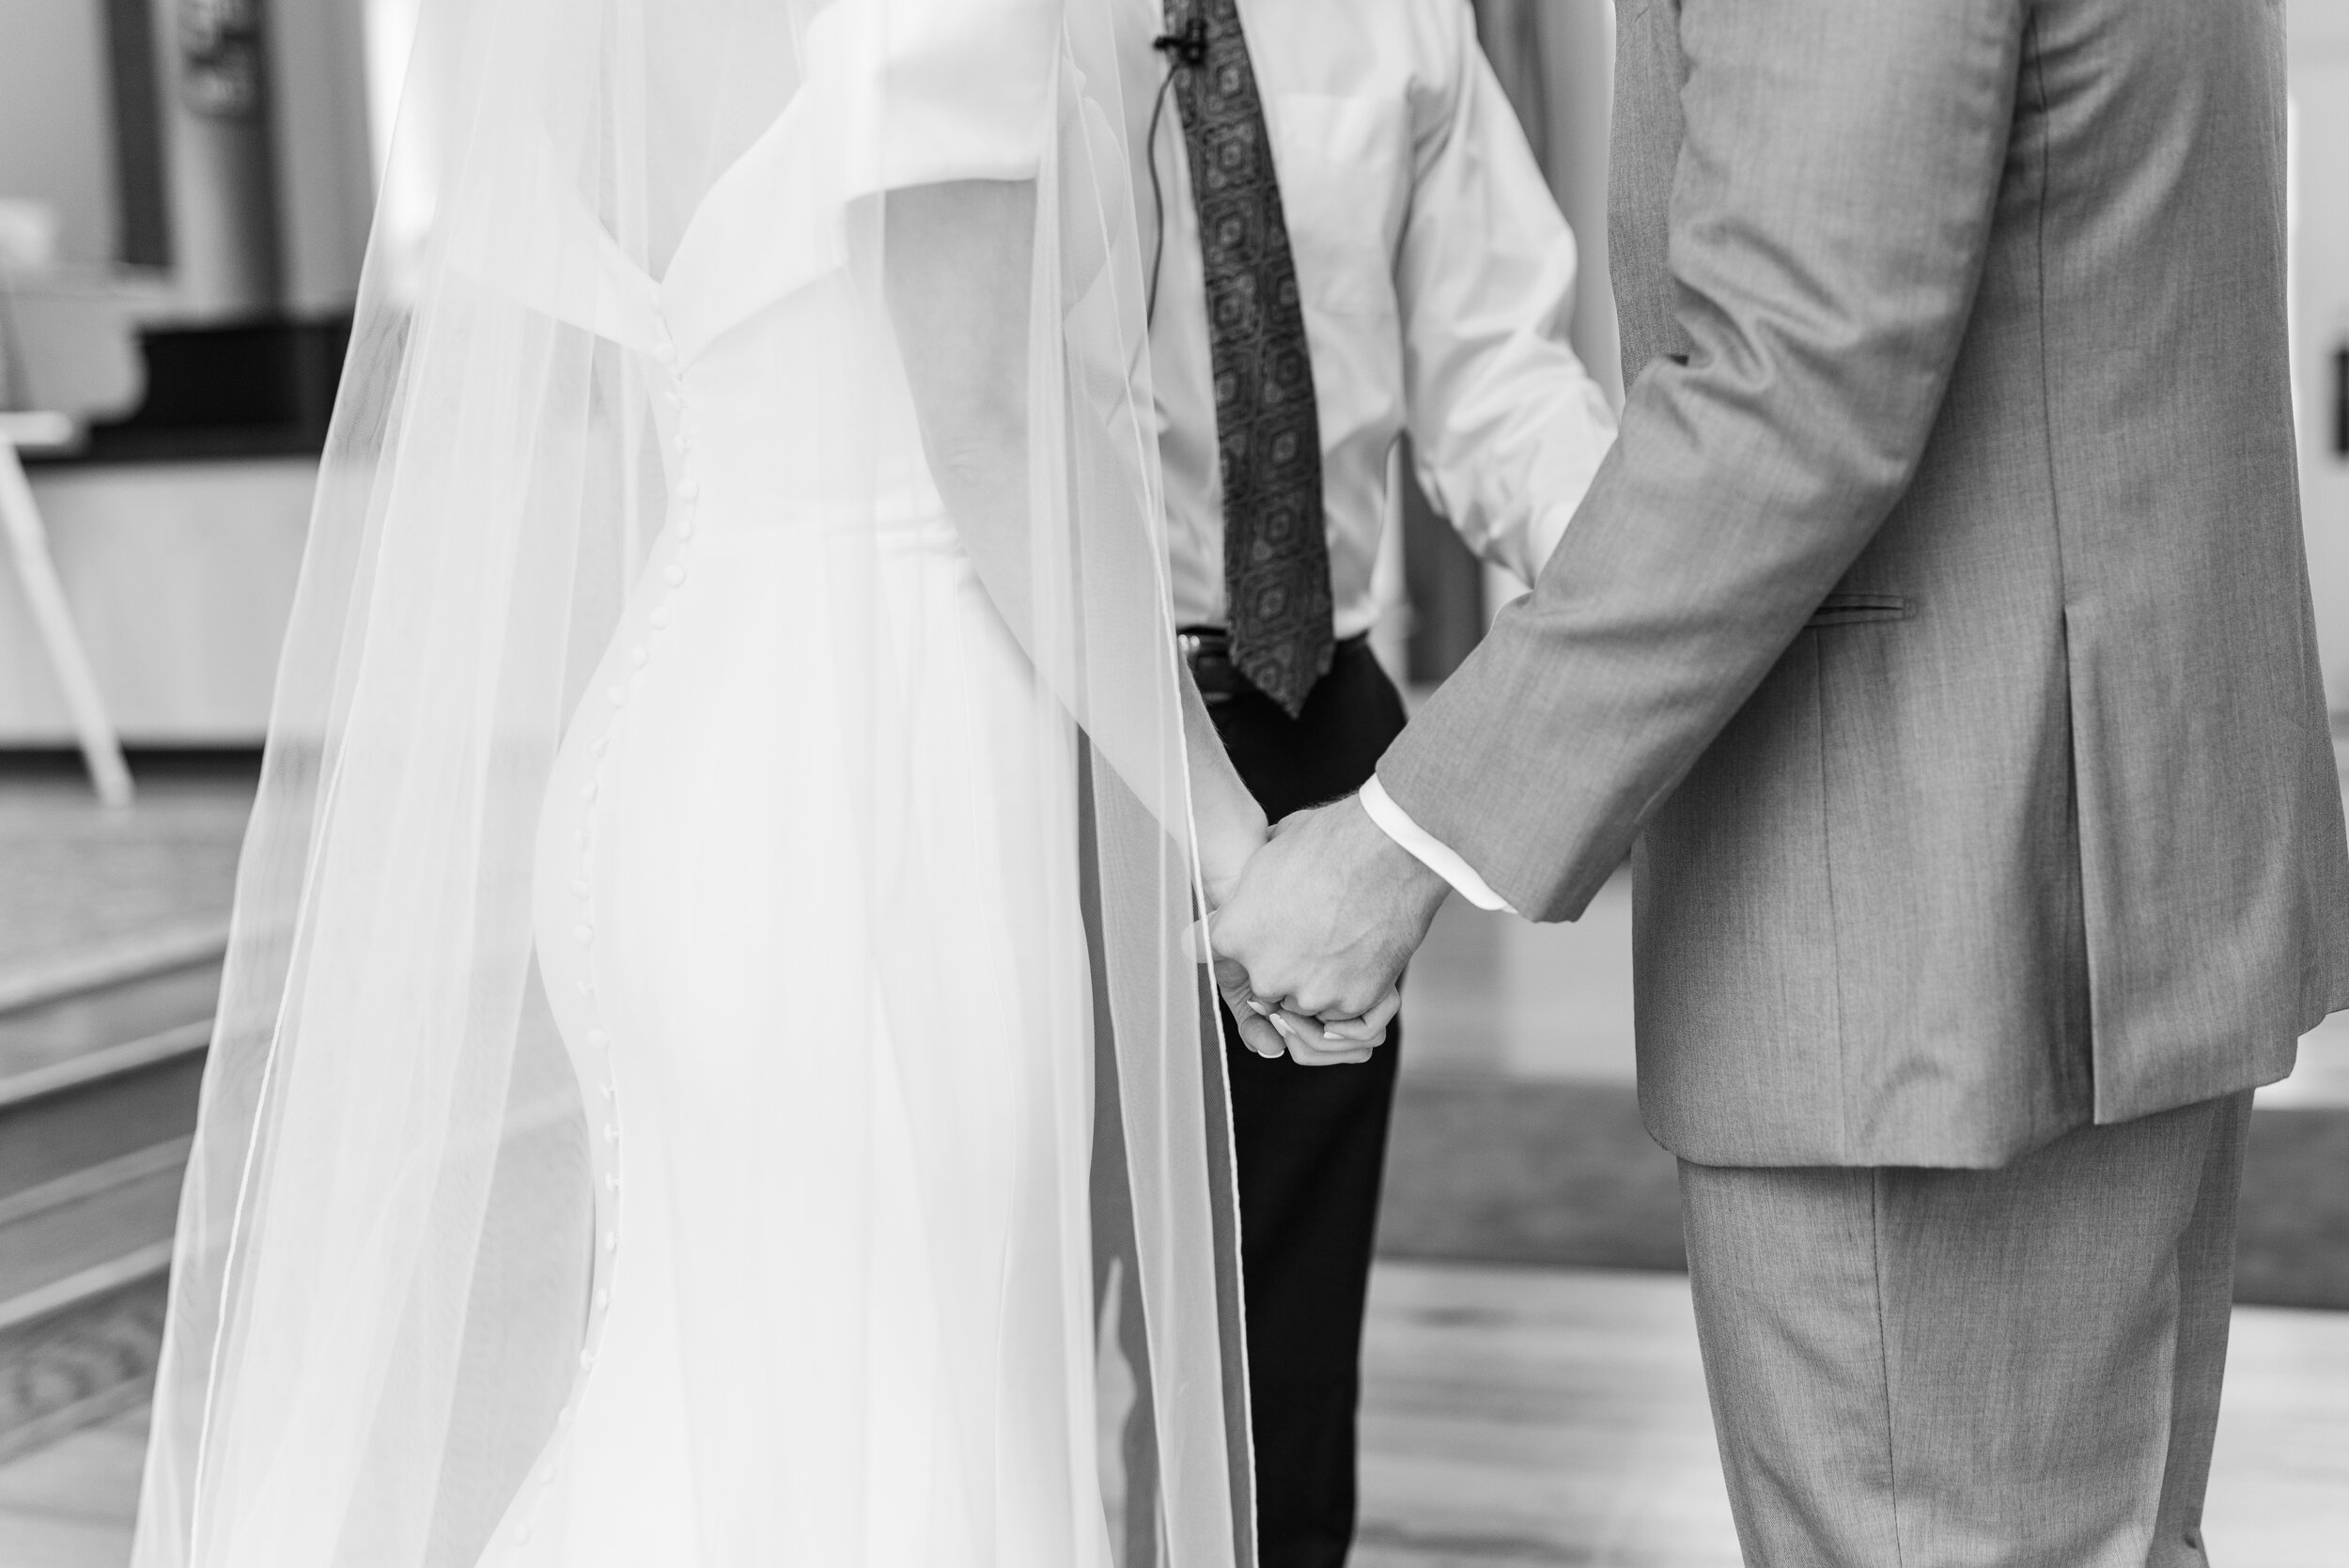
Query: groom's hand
<point x="1326" y="914"/>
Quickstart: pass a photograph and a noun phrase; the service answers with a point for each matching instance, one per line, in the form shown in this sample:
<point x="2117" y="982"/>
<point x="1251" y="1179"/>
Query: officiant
<point x="1348" y="240"/>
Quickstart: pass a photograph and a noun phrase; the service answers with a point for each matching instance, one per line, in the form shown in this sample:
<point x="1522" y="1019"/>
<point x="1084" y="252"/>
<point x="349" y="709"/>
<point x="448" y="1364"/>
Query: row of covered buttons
<point x="687" y="493"/>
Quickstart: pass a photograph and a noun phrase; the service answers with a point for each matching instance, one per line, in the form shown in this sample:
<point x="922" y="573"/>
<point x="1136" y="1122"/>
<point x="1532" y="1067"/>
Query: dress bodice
<point x="776" y="389"/>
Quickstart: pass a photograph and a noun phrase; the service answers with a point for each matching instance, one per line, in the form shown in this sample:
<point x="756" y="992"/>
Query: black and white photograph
<point x="1173" y="783"/>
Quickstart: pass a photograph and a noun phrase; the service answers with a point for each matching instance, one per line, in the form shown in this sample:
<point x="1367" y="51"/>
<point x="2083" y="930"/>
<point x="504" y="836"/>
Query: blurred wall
<point x="325" y="160"/>
<point x="226" y="141"/>
<point x="57" y="120"/>
<point x="2319" y="41"/>
<point x="1556" y="60"/>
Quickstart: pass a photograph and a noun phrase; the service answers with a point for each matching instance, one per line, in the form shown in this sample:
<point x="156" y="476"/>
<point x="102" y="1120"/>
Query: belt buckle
<point x="1194" y="648"/>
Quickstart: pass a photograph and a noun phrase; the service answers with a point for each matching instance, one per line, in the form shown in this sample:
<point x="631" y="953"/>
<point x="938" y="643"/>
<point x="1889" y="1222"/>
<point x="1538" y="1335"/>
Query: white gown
<point x="795" y="856"/>
<point x="880" y="1224"/>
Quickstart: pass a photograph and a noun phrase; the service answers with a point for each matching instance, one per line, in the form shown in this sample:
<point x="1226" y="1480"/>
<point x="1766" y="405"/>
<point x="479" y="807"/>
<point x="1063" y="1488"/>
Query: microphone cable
<point x="1185" y="48"/>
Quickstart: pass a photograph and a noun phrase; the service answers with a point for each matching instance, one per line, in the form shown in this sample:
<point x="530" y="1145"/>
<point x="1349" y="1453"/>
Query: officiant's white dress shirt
<point x="1438" y="279"/>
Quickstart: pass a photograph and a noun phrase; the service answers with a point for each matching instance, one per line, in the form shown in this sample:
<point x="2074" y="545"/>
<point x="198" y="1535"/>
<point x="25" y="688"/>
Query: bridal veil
<point x="389" y="1236"/>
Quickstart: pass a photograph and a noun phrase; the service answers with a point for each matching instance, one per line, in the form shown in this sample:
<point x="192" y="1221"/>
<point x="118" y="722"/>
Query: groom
<point x="1938" y="641"/>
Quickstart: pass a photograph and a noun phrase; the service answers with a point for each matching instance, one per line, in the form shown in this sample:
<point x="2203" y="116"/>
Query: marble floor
<point x="1530" y="1419"/>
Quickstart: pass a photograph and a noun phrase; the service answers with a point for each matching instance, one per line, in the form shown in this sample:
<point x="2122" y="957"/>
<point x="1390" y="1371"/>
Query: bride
<point x="709" y="1070"/>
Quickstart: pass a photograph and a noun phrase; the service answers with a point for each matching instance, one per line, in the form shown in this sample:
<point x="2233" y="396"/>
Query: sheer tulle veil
<point x="390" y="1231"/>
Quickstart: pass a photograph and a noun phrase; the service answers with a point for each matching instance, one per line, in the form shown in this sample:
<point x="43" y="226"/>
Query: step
<point x="105" y="1055"/>
<point x="101" y="1061"/>
<point x="57" y="1024"/>
<point x="87" y="1233"/>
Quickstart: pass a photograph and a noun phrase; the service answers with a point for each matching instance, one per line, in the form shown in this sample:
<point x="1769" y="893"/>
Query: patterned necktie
<point x="1276" y="556"/>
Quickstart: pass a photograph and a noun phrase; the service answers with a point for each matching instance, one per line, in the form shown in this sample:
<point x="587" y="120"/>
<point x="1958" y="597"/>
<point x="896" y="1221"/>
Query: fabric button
<point x="661" y="620"/>
<point x="675" y="576"/>
<point x="665" y="352"/>
<point x="689" y="490"/>
<point x="584" y="934"/>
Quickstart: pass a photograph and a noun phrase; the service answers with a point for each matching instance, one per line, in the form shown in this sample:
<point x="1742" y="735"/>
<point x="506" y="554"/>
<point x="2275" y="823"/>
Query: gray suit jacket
<point x="1939" y="627"/>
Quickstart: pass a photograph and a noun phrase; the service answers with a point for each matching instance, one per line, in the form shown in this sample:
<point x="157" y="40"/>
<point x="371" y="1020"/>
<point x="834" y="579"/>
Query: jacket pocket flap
<point x="1849" y="608"/>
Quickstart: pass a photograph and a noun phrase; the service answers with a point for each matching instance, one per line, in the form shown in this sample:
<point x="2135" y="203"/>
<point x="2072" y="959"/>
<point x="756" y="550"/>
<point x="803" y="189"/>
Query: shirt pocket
<point x="1341" y="161"/>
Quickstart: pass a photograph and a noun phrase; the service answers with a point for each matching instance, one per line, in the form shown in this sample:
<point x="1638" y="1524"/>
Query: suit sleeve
<point x="1829" y="212"/>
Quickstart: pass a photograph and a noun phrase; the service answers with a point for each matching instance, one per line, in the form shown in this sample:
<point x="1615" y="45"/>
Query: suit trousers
<point x="1311" y="1145"/>
<point x="2014" y="1368"/>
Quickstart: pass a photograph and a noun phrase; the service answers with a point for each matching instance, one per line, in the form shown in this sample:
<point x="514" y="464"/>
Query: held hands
<point x="1311" y="942"/>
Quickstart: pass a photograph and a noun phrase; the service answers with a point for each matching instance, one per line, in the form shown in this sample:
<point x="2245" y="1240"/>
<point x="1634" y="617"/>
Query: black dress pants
<point x="1311" y="1146"/>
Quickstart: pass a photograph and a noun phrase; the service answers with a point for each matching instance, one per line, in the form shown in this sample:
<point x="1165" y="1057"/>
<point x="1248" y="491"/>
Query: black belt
<point x="1207" y="649"/>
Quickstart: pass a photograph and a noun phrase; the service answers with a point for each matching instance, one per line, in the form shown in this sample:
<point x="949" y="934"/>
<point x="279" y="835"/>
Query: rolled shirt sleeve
<point x="1507" y="426"/>
<point x="1425" y="847"/>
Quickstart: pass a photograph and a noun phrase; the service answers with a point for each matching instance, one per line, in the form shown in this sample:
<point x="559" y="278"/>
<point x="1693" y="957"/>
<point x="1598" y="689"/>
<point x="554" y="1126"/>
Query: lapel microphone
<point x="1185" y="46"/>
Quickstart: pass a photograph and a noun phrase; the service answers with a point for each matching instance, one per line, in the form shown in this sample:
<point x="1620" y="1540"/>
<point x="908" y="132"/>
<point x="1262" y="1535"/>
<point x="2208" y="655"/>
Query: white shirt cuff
<point x="1397" y="824"/>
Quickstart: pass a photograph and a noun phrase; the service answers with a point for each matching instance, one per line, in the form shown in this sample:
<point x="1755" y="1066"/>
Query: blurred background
<point x="185" y="193"/>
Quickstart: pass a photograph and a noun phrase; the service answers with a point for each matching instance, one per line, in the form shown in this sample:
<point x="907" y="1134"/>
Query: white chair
<point x="76" y="357"/>
<point x="53" y="618"/>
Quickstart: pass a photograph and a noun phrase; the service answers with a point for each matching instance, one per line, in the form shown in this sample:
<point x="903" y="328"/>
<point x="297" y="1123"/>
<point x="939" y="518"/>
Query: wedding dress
<point x="709" y="1073"/>
<point x="702" y="918"/>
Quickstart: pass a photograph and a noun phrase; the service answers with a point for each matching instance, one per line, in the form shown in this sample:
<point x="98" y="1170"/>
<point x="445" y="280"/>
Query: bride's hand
<point x="1227" y="838"/>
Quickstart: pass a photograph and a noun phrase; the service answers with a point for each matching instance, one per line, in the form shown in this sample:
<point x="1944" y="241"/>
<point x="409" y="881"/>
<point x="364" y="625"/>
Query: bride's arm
<point x="957" y="272"/>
